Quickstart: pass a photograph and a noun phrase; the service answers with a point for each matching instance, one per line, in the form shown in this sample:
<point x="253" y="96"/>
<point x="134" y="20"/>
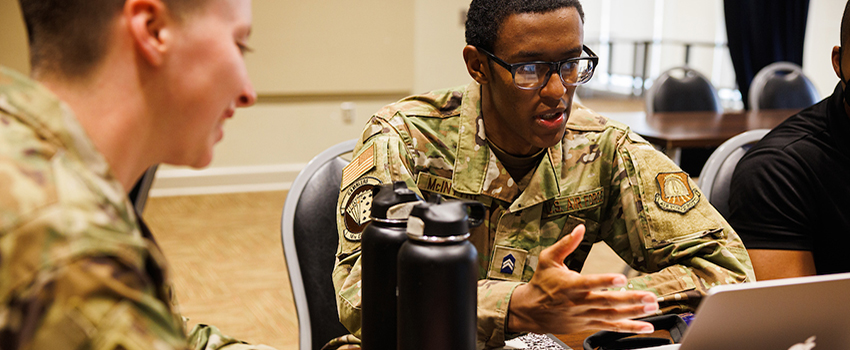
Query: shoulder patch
<point x="356" y="207"/>
<point x="358" y="166"/>
<point x="675" y="193"/>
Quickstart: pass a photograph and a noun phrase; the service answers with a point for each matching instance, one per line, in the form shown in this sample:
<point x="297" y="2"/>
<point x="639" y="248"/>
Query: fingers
<point x="564" y="246"/>
<point x="598" y="281"/>
<point x="645" y="300"/>
<point x="624" y="326"/>
<point x="620" y="319"/>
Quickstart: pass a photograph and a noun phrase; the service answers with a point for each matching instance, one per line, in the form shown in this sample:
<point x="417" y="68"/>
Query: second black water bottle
<point x="438" y="274"/>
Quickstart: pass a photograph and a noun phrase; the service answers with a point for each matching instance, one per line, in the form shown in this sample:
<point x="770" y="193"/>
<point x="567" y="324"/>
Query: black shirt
<point x="791" y="191"/>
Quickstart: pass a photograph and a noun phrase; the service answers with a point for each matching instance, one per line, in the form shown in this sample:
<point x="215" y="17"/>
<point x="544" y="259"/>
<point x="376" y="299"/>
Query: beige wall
<point x="13" y="37"/>
<point x="313" y="56"/>
<point x="414" y="46"/>
<point x="323" y="47"/>
<point x="439" y="40"/>
<point x="822" y="33"/>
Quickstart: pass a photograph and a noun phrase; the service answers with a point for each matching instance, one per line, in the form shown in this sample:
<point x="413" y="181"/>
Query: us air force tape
<point x="356" y="207"/>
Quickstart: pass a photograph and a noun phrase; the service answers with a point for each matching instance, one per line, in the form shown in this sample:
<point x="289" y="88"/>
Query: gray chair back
<point x="139" y="194"/>
<point x="782" y="85"/>
<point x="682" y="89"/>
<point x="716" y="175"/>
<point x="309" y="235"/>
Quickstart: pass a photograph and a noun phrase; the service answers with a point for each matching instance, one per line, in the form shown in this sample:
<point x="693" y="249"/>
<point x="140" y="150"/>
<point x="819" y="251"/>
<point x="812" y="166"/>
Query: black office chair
<point x="682" y="89"/>
<point x="309" y="235"/>
<point x="782" y="85"/>
<point x="716" y="177"/>
<point x="139" y="194"/>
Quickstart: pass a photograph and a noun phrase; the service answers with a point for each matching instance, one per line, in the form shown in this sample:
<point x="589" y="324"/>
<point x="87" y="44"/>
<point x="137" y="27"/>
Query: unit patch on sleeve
<point x="675" y="193"/>
<point x="358" y="166"/>
<point x="356" y="207"/>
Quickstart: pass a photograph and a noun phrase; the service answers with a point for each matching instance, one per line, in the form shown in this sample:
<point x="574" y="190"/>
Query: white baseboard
<point x="185" y="182"/>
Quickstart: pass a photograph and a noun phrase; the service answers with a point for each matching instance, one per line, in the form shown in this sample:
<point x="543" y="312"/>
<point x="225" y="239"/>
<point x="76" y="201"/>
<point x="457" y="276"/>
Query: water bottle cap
<point x="452" y="218"/>
<point x="387" y="196"/>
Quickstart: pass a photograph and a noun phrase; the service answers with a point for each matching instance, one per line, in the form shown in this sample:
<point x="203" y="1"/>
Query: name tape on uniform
<point x="573" y="203"/>
<point x="443" y="186"/>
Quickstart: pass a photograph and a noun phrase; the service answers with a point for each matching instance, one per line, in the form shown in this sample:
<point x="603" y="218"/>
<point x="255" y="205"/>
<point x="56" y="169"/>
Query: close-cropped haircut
<point x="485" y="17"/>
<point x="69" y="37"/>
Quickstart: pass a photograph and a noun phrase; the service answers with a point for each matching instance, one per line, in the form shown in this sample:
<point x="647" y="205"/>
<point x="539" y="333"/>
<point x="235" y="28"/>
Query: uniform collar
<point x="34" y="105"/>
<point x="477" y="171"/>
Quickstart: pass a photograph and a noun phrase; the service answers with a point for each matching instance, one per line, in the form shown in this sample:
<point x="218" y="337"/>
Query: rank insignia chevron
<point x="508" y="264"/>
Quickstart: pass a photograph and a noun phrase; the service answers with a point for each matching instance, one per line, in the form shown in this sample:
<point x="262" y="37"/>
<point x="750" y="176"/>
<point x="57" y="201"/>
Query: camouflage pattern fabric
<point x="601" y="175"/>
<point x="345" y="342"/>
<point x="76" y="271"/>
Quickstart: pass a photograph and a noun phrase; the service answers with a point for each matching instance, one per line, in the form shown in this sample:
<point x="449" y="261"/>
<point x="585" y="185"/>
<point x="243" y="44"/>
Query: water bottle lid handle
<point x="387" y="196"/>
<point x="477" y="212"/>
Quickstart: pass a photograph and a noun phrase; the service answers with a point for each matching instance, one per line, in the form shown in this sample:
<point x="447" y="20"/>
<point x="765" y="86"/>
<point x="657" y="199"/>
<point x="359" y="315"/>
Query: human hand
<point x="559" y="300"/>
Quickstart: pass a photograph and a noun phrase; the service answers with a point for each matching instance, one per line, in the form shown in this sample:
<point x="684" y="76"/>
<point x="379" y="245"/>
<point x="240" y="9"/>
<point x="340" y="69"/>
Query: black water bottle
<point x="437" y="277"/>
<point x="382" y="237"/>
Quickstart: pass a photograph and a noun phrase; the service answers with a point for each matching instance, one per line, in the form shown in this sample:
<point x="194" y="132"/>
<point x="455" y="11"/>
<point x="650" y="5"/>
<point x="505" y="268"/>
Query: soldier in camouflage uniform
<point x="78" y="267"/>
<point x="553" y="188"/>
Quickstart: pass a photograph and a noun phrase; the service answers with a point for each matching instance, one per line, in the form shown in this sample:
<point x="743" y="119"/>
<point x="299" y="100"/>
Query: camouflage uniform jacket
<point x="601" y="175"/>
<point x="76" y="269"/>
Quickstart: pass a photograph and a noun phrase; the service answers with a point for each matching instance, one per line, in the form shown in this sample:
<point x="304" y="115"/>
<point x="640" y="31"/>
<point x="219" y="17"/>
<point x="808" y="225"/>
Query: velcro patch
<point x="356" y="207"/>
<point x="443" y="186"/>
<point x="573" y="203"/>
<point x="675" y="192"/>
<point x="507" y="263"/>
<point x="358" y="166"/>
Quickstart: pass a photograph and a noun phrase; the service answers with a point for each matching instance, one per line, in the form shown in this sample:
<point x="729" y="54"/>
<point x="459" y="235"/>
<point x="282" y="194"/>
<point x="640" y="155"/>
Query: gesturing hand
<point x="559" y="300"/>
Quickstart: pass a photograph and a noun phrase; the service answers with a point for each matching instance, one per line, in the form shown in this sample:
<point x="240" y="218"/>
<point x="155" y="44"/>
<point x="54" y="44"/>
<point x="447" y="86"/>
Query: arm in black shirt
<point x="768" y="203"/>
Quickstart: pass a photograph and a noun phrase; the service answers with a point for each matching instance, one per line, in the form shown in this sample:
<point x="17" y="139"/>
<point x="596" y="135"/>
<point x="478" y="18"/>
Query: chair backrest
<point x="682" y="89"/>
<point x="309" y="235"/>
<point x="716" y="175"/>
<point x="139" y="194"/>
<point x="782" y="85"/>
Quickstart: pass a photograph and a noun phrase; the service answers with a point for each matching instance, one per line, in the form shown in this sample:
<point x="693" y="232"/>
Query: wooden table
<point x="575" y="340"/>
<point x="676" y="130"/>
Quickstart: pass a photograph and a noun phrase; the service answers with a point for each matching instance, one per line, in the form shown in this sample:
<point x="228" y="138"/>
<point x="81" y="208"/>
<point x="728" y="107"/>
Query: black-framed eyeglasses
<point x="532" y="75"/>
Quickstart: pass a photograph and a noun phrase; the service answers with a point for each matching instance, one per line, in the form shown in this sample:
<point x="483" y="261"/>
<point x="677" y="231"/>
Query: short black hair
<point x="485" y="17"/>
<point x="69" y="37"/>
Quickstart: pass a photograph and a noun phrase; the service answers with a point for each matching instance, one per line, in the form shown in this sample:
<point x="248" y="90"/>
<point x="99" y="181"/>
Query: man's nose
<point x="554" y="88"/>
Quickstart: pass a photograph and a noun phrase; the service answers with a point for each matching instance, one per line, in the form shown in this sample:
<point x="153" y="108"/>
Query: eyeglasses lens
<point x="533" y="75"/>
<point x="530" y="75"/>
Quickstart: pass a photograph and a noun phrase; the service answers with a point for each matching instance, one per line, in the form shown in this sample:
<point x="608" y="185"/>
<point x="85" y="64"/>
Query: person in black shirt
<point x="790" y="195"/>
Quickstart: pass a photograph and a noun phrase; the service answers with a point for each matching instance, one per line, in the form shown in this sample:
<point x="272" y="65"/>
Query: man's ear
<point x="836" y="62"/>
<point x="476" y="65"/>
<point x="148" y="25"/>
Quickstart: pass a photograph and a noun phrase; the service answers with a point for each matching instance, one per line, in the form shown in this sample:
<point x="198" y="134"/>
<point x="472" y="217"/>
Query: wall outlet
<point x="348" y="112"/>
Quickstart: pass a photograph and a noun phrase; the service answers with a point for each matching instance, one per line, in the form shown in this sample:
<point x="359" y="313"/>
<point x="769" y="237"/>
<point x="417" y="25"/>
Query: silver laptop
<point x="790" y="314"/>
